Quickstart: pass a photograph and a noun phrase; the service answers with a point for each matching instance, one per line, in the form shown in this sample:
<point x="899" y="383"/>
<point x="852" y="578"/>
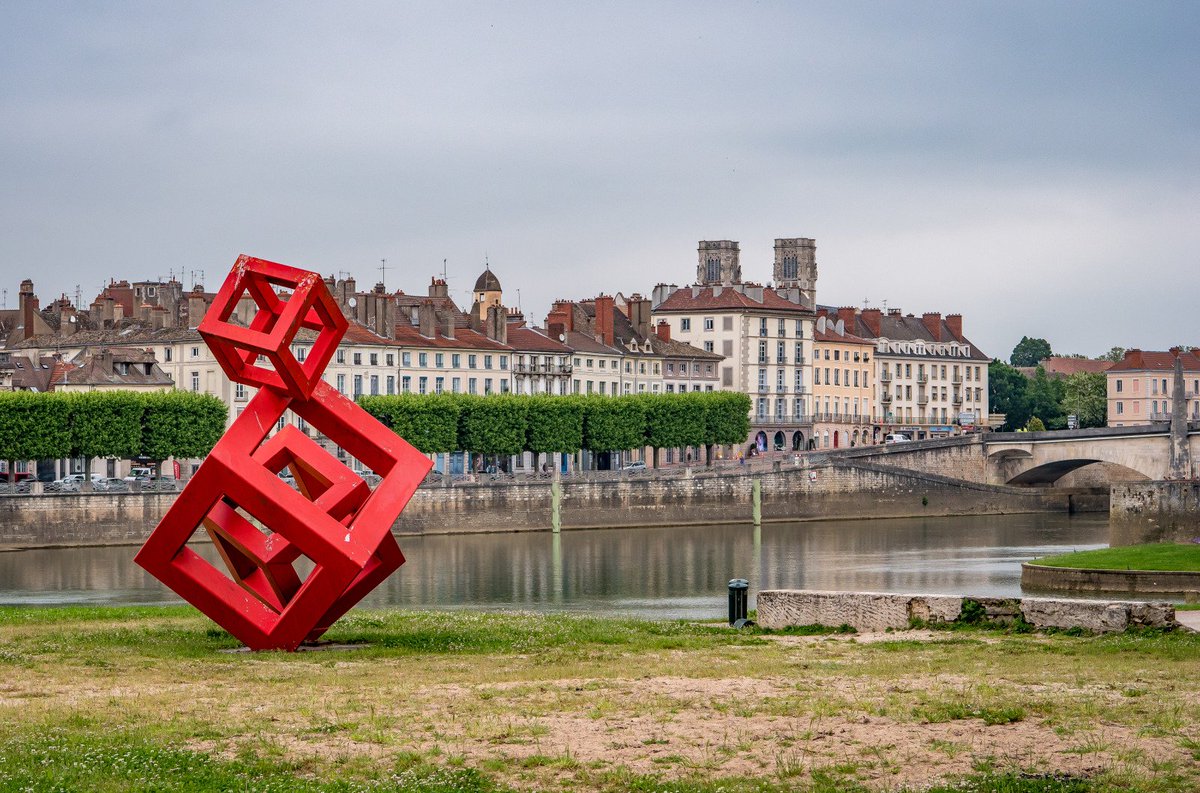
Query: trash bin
<point x="739" y="601"/>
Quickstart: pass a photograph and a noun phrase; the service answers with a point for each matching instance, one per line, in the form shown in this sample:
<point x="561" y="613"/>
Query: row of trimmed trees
<point x="511" y="424"/>
<point x="123" y="424"/>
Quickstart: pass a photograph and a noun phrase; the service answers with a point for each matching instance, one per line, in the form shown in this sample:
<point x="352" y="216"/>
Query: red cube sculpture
<point x="262" y="526"/>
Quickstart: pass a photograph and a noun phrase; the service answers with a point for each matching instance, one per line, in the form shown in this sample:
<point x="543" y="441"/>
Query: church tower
<point x="796" y="267"/>
<point x="718" y="263"/>
<point x="487" y="294"/>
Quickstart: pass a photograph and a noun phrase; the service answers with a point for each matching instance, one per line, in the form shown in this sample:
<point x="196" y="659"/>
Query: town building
<point x="844" y="411"/>
<point x="931" y="380"/>
<point x="762" y="333"/>
<point x="1140" y="386"/>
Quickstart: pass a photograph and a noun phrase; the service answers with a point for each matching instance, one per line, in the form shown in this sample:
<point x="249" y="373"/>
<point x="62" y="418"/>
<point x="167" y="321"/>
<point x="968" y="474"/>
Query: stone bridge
<point x="1036" y="458"/>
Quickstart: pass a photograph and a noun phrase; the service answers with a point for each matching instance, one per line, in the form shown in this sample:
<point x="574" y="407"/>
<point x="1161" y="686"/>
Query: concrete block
<point x="863" y="611"/>
<point x="935" y="608"/>
<point x="1099" y="616"/>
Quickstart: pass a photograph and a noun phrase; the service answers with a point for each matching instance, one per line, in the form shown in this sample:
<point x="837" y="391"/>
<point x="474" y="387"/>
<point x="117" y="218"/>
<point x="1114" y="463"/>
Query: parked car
<point x="75" y="481"/>
<point x="896" y="437"/>
<point x="637" y="465"/>
<point x="137" y="474"/>
<point x="115" y="483"/>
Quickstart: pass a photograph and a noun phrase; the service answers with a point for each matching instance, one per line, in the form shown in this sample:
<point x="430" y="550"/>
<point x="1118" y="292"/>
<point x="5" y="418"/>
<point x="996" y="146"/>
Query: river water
<point x="664" y="573"/>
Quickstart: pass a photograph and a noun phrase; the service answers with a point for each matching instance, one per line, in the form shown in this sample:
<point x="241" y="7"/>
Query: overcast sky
<point x="1031" y="166"/>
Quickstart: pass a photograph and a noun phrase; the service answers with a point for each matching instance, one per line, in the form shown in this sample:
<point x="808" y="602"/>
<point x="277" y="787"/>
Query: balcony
<point x="956" y="398"/>
<point x="781" y="360"/>
<point x="762" y="360"/>
<point x="781" y="389"/>
<point x="801" y="389"/>
<point x="922" y="379"/>
<point x="763" y="388"/>
<point x="956" y="380"/>
<point x="886" y="396"/>
<point x="801" y="360"/>
<point x="886" y="377"/>
<point x="922" y="399"/>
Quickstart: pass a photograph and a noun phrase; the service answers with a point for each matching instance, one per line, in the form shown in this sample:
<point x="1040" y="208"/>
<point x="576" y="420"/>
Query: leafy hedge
<point x="510" y="424"/>
<point x="108" y="424"/>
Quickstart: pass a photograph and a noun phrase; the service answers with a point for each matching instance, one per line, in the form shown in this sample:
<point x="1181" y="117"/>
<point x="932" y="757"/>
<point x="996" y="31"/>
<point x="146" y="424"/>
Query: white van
<point x="896" y="437"/>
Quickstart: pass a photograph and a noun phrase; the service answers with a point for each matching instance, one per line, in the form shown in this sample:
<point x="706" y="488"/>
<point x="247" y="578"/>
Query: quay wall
<point x="840" y="489"/>
<point x="1159" y="511"/>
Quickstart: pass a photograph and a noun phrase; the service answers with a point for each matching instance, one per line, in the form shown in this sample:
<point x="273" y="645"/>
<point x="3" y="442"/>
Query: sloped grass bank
<point x="1156" y="557"/>
<point x="123" y="699"/>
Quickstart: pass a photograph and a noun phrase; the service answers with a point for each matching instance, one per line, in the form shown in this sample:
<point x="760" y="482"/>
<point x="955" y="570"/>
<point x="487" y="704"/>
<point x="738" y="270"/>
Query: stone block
<point x="935" y="608"/>
<point x="1098" y="616"/>
<point x="863" y="611"/>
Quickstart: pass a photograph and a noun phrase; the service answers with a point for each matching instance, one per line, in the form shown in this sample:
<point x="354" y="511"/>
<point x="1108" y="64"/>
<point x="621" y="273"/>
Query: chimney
<point x="663" y="329"/>
<point x="639" y="315"/>
<point x="846" y="315"/>
<point x="604" y="319"/>
<point x="497" y="324"/>
<point x="933" y="323"/>
<point x="438" y="288"/>
<point x="954" y="323"/>
<point x="554" y="329"/>
<point x="871" y="318"/>
<point x="427" y="320"/>
<point x="559" y="317"/>
<point x="567" y="309"/>
<point x="446" y="321"/>
<point x="68" y="323"/>
<point x="27" y="302"/>
<point x="197" y="307"/>
<point x="158" y="318"/>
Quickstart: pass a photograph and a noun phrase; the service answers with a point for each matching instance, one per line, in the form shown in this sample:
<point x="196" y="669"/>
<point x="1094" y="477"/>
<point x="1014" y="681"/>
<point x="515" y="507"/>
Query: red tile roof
<point x="1155" y="360"/>
<point x="524" y="339"/>
<point x="729" y="298"/>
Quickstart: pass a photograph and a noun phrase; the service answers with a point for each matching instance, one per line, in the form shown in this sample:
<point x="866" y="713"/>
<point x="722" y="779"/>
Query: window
<point x="374" y="385"/>
<point x="504" y="362"/>
<point x="374" y="359"/>
<point x="456" y="385"/>
<point x="406" y="359"/>
<point x="708" y="323"/>
<point x="1119" y="388"/>
<point x="1120" y="407"/>
<point x="439" y="360"/>
<point x="487" y="385"/>
<point x="685" y="324"/>
<point x="390" y="358"/>
<point x="166" y="353"/>
<point x="837" y="355"/>
<point x="358" y="385"/>
<point x="781" y="352"/>
<point x="239" y="391"/>
<point x="391" y="384"/>
<point x="628" y="367"/>
<point x="471" y="362"/>
<point x="487" y="363"/>
<point x="422" y="359"/>
<point x="195" y="381"/>
<point x="670" y="388"/>
<point x="340" y="356"/>
<point x="762" y="326"/>
<point x="762" y="379"/>
<point x="783" y="327"/>
<point x="762" y="352"/>
<point x="779" y="379"/>
<point x="341" y="383"/>
<point x="195" y="352"/>
<point x="358" y="359"/>
<point x="439" y="385"/>
<point x="708" y="347"/>
<point x="406" y="384"/>
<point x="422" y="385"/>
<point x="799" y="353"/>
<point x="471" y="385"/>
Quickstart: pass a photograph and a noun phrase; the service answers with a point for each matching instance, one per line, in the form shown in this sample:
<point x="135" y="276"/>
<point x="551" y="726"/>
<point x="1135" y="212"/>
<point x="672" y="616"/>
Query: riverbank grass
<point x="124" y="699"/>
<point x="1154" y="556"/>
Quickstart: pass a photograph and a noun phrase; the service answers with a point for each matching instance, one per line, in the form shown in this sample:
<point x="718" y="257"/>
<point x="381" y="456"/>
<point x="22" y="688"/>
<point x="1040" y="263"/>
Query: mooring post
<point x="756" y="501"/>
<point x="556" y="506"/>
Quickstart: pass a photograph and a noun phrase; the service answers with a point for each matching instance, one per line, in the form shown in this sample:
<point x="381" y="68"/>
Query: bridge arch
<point x="1051" y="472"/>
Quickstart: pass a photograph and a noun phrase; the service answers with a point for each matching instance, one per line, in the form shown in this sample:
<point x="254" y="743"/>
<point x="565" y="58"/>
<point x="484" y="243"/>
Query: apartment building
<point x="762" y="333"/>
<point x="1140" y="386"/>
<point x="931" y="381"/>
<point x="843" y="386"/>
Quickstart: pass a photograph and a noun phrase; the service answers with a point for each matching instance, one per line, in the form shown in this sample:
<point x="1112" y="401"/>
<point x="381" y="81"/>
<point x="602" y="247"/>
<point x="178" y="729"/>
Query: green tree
<point x="1035" y="425"/>
<point x="555" y="424"/>
<point x="105" y="424"/>
<point x="180" y="424"/>
<point x="726" y="420"/>
<point x="493" y="424"/>
<point x="1007" y="394"/>
<point x="1030" y="352"/>
<point x="613" y="424"/>
<point x="673" y="421"/>
<point x="428" y="422"/>
<point x="33" y="427"/>
<point x="1045" y="395"/>
<point x="1085" y="394"/>
<point x="1115" y="354"/>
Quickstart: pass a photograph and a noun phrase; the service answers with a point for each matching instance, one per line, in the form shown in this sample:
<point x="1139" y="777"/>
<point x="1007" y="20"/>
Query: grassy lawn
<point x="1131" y="557"/>
<point x="124" y="699"/>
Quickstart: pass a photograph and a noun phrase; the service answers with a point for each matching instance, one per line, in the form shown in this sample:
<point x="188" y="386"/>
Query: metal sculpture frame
<point x="260" y="525"/>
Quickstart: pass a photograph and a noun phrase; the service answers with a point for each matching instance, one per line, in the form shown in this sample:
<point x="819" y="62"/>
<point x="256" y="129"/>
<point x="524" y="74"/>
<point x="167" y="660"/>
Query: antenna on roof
<point x="445" y="277"/>
<point x="866" y="302"/>
<point x="4" y="303"/>
<point x="519" y="300"/>
<point x="78" y="295"/>
<point x="383" y="272"/>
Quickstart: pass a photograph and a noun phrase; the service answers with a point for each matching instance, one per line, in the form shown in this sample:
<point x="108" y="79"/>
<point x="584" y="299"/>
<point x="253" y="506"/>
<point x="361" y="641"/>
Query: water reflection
<point x="668" y="573"/>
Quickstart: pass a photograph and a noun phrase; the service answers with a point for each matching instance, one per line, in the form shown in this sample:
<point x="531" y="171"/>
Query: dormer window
<point x="121" y="367"/>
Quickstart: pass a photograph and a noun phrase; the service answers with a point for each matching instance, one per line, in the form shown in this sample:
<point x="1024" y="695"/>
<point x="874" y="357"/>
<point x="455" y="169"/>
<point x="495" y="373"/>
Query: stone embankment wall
<point x="875" y="611"/>
<point x="1160" y="511"/>
<point x="963" y="457"/>
<point x="838" y="489"/>
<point x="1073" y="579"/>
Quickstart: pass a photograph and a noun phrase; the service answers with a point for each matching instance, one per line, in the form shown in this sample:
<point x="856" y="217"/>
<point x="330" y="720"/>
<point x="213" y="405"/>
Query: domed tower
<point x="487" y="294"/>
